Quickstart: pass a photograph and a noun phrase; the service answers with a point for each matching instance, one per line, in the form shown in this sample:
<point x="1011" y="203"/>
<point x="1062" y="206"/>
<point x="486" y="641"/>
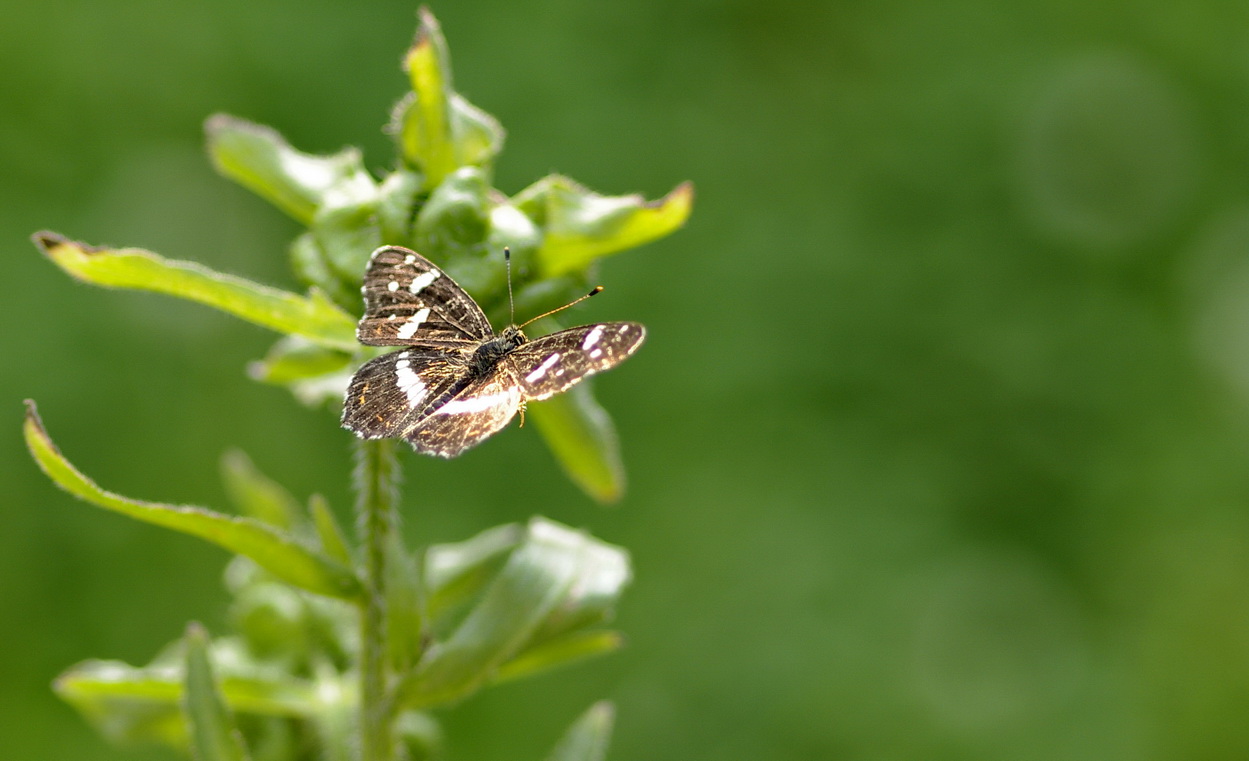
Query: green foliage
<point x="340" y="650"/>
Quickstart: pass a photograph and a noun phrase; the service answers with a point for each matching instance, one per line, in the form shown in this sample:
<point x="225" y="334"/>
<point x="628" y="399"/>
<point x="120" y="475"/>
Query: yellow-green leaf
<point x="581" y="225"/>
<point x="425" y="131"/>
<point x="271" y="549"/>
<point x="581" y="435"/>
<point x="314" y="317"/>
<point x="587" y="738"/>
<point x="213" y="733"/>
<point x="260" y="159"/>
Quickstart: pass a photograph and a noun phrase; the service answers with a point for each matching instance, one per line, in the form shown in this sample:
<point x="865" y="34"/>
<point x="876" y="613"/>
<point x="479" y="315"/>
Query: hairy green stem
<point x="377" y="497"/>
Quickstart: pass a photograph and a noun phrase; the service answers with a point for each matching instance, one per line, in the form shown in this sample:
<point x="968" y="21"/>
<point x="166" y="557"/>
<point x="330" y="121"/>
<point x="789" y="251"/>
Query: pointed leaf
<point x="581" y="225"/>
<point x="312" y="317"/>
<point x="125" y="701"/>
<point x="581" y="435"/>
<point x="558" y="652"/>
<point x="544" y="576"/>
<point x="260" y="159"/>
<point x="274" y="551"/>
<point x="456" y="573"/>
<point x="214" y="735"/>
<point x="257" y="495"/>
<point x="425" y="130"/>
<point x="588" y="737"/>
<point x="478" y="136"/>
<point x="333" y="540"/>
<point x="294" y="359"/>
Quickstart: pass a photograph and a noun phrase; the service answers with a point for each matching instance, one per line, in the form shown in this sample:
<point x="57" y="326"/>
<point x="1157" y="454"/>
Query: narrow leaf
<point x="581" y="435"/>
<point x="333" y="540"/>
<point x="260" y="159"/>
<point x="257" y="495"/>
<point x="544" y="575"/>
<point x="425" y="132"/>
<point x="581" y="225"/>
<point x="562" y="651"/>
<point x="122" y="699"/>
<point x="214" y="735"/>
<point x="588" y="737"/>
<point x="313" y="317"/>
<point x="294" y="359"/>
<point x="274" y="551"/>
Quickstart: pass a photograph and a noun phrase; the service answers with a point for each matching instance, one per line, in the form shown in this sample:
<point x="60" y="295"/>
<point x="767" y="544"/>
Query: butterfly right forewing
<point x="409" y="301"/>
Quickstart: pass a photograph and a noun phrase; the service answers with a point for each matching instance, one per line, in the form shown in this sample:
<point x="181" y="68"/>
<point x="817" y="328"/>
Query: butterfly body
<point x="455" y="381"/>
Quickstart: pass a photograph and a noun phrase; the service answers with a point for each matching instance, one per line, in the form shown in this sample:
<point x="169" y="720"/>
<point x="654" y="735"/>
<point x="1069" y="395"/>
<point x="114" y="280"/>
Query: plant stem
<point x="377" y="497"/>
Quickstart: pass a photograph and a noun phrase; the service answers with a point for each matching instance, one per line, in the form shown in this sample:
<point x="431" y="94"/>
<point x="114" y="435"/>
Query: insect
<point x="456" y="381"/>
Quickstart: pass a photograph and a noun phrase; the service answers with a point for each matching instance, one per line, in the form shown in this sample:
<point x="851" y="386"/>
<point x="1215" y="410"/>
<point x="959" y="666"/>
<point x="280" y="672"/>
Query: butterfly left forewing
<point x="409" y="301"/>
<point x="548" y="365"/>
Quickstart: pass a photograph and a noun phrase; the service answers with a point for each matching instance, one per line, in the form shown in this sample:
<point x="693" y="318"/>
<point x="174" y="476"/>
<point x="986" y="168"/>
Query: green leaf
<point x="214" y="735"/>
<point x="311" y="267"/>
<point x="581" y="225"/>
<point x="561" y="651"/>
<point x="454" y="222"/>
<point x="396" y="203"/>
<point x="347" y="234"/>
<point x="478" y="135"/>
<point x="312" y="317"/>
<point x="257" y="495"/>
<point x="439" y="131"/>
<point x="425" y="130"/>
<point x="588" y="737"/>
<point x="126" y="704"/>
<point x="456" y="573"/>
<point x="581" y="435"/>
<point x="274" y="551"/>
<point x="547" y="575"/>
<point x="261" y="160"/>
<point x="333" y="540"/>
<point x="294" y="359"/>
<point x="142" y="704"/>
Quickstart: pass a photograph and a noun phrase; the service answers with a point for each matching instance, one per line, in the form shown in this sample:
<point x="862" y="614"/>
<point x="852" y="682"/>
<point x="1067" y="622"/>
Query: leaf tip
<point x="33" y="424"/>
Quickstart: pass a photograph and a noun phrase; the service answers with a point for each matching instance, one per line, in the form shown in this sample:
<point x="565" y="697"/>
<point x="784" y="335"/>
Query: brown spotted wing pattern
<point x="456" y="382"/>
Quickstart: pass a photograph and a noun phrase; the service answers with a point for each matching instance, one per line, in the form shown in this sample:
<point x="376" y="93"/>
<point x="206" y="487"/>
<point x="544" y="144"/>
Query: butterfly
<point x="456" y="381"/>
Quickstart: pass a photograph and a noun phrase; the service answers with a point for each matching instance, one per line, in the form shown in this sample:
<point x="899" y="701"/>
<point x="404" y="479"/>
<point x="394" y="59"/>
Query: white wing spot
<point x="409" y="383"/>
<point x="409" y="259"/>
<point x="592" y="338"/>
<point x="392" y="286"/>
<point x="422" y="282"/>
<point x="542" y="368"/>
<point x="596" y="354"/>
<point x="409" y="328"/>
<point x="473" y="403"/>
<point x="392" y="316"/>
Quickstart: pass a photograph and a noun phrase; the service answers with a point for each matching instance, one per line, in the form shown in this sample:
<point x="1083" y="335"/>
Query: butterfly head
<point x="490" y="352"/>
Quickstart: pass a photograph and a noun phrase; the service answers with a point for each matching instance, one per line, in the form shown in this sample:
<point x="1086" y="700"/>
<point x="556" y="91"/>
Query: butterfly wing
<point x="548" y="365"/>
<point x="390" y="395"/>
<point x="480" y="409"/>
<point x="408" y="301"/>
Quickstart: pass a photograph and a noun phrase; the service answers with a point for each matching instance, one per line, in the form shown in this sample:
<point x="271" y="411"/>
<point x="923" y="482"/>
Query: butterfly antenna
<point x="597" y="289"/>
<point x="511" y="303"/>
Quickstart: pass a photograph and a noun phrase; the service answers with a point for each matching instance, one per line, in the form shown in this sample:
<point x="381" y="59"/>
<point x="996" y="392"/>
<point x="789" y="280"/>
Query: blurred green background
<point x="939" y="447"/>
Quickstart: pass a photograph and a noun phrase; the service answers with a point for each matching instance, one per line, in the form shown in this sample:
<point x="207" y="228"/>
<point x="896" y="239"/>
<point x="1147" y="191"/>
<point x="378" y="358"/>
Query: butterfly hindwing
<point x="390" y="395"/>
<point x="409" y="301"/>
<point x="551" y="364"/>
<point x="483" y="407"/>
